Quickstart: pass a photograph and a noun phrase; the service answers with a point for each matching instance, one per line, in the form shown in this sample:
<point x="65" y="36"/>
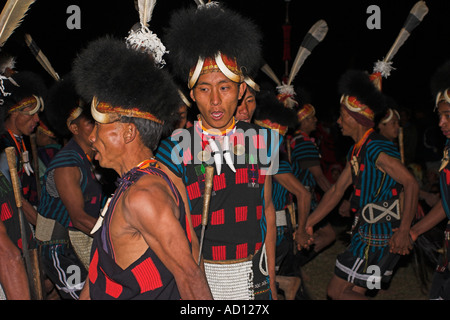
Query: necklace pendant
<point x="355" y="165"/>
<point x="444" y="161"/>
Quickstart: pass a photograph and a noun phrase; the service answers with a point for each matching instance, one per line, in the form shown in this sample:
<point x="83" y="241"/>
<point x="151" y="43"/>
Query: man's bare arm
<point x="13" y="276"/>
<point x="303" y="196"/>
<point x="151" y="210"/>
<point x="182" y="190"/>
<point x="331" y="198"/>
<point x="400" y="241"/>
<point x="67" y="180"/>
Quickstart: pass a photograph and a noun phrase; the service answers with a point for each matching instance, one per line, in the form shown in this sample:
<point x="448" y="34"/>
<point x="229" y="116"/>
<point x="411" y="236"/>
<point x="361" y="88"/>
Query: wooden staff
<point x="402" y="159"/>
<point x="206" y="201"/>
<point x="30" y="255"/>
<point x="401" y="145"/>
<point x="35" y="163"/>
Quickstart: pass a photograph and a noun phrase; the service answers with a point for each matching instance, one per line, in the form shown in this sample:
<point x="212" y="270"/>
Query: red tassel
<point x="287" y="42"/>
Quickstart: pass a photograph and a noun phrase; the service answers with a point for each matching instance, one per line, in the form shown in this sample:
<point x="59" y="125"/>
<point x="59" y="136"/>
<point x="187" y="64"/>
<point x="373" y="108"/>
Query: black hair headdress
<point x="357" y="84"/>
<point x="125" y="82"/>
<point x="208" y="30"/>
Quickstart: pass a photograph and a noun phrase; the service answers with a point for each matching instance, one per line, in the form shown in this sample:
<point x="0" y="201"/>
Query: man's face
<point x="217" y="98"/>
<point x="183" y="117"/>
<point x="23" y="123"/>
<point x="309" y="124"/>
<point x="246" y="108"/>
<point x="444" y="118"/>
<point x="85" y="127"/>
<point x="107" y="141"/>
<point x="391" y="128"/>
<point x="346" y="122"/>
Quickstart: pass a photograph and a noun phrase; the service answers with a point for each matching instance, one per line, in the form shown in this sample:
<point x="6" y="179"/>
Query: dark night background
<point x="348" y="44"/>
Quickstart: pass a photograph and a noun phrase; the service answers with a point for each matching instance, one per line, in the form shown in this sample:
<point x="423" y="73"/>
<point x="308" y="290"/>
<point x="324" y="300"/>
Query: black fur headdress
<point x="62" y="100"/>
<point x="357" y="83"/>
<point x="24" y="84"/>
<point x="271" y="110"/>
<point x="19" y="86"/>
<point x="125" y="78"/>
<point x="210" y="29"/>
<point x="440" y="83"/>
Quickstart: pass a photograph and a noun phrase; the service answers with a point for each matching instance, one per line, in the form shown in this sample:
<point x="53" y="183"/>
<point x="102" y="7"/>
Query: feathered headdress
<point x="122" y="82"/>
<point x="383" y="68"/>
<point x="11" y="17"/>
<point x="40" y="57"/>
<point x="7" y="64"/>
<point x="361" y="97"/>
<point x="272" y="114"/>
<point x="440" y="84"/>
<point x="286" y="90"/>
<point x="141" y="37"/>
<point x="212" y="37"/>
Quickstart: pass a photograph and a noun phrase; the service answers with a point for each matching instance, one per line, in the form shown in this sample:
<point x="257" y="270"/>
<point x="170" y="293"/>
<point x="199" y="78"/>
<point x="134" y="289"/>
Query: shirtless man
<point x="142" y="250"/>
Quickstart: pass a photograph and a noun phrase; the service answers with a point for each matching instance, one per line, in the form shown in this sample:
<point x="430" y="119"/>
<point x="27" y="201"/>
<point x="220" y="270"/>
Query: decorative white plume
<point x="11" y="17"/>
<point x="146" y="8"/>
<point x="315" y="35"/>
<point x="415" y="17"/>
<point x="40" y="57"/>
<point x="270" y="73"/>
<point x="383" y="67"/>
<point x="143" y="38"/>
<point x="286" y="91"/>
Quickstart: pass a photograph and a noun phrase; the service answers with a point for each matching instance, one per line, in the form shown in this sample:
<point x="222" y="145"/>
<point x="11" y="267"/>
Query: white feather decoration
<point x="11" y="17"/>
<point x="146" y="8"/>
<point x="383" y="67"/>
<point x="416" y="15"/>
<point x="315" y="35"/>
<point x="270" y="73"/>
<point x="199" y="3"/>
<point x="40" y="57"/>
<point x="143" y="38"/>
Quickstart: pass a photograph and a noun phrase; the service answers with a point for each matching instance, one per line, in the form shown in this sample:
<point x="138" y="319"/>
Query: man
<point x="141" y="250"/>
<point x="306" y="166"/>
<point x="440" y="287"/>
<point x="22" y="101"/>
<point x="389" y="125"/>
<point x="272" y="114"/>
<point x="13" y="275"/>
<point x="71" y="196"/>
<point x="211" y="46"/>
<point x="247" y="105"/>
<point x="381" y="231"/>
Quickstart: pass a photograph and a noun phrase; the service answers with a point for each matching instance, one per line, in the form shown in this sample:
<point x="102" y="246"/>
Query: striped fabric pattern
<point x="372" y="185"/>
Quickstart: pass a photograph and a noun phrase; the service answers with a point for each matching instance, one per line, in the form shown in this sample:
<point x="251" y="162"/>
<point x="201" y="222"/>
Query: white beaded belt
<point x="281" y="218"/>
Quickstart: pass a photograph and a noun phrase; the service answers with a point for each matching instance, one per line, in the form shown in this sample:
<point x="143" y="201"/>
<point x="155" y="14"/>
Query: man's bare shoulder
<point x="151" y="194"/>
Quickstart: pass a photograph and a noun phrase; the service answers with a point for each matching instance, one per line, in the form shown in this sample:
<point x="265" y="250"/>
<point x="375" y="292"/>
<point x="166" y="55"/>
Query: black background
<point x="348" y="44"/>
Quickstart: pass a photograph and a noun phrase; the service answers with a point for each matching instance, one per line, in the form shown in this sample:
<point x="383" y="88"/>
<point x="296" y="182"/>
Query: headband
<point x="359" y="111"/>
<point x="220" y="62"/>
<point x="35" y="101"/>
<point x="272" y="125"/>
<point x="103" y="112"/>
<point x="389" y="115"/>
<point x="306" y="111"/>
<point x="442" y="97"/>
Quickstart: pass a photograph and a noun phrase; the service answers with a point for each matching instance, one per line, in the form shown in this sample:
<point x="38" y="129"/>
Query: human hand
<point x="401" y="242"/>
<point x="303" y="238"/>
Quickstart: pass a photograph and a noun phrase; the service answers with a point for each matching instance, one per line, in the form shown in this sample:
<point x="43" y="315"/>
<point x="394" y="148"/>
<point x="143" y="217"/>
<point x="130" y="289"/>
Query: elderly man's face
<point x="22" y="123"/>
